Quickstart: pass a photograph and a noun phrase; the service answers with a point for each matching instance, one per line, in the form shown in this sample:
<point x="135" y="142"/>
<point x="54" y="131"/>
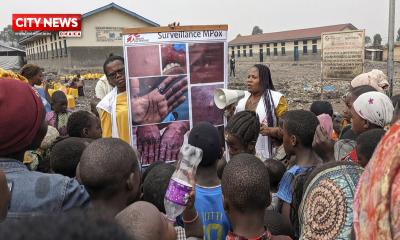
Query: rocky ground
<point x="299" y="82"/>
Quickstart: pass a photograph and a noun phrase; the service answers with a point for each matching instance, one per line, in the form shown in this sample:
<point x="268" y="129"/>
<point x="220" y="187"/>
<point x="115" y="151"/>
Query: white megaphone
<point x="225" y="97"/>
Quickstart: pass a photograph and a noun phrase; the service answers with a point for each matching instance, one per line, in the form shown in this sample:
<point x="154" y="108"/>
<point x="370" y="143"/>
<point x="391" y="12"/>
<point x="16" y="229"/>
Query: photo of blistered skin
<point x="203" y="107"/>
<point x="206" y="62"/>
<point x="173" y="58"/>
<point x="144" y="61"/>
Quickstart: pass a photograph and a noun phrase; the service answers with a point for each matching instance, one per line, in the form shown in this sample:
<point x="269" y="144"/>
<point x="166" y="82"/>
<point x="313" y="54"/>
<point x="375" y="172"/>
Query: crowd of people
<point x="284" y="174"/>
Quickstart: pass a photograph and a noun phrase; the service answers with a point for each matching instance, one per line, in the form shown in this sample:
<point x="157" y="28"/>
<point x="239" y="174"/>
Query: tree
<point x="367" y="40"/>
<point x="377" y="40"/>
<point x="256" y="30"/>
<point x="398" y="35"/>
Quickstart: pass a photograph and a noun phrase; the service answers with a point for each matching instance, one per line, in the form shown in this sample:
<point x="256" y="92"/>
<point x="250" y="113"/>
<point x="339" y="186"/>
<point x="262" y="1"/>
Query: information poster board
<point x="171" y="77"/>
<point x="342" y="54"/>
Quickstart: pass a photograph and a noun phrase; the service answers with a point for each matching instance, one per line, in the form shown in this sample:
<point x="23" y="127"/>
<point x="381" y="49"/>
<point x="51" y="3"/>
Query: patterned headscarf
<point x="326" y="209"/>
<point x="377" y="200"/>
<point x="375" y="78"/>
<point x="375" y="107"/>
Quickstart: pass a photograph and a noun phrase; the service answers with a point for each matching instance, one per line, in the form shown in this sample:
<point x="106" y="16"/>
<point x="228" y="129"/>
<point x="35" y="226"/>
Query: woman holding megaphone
<point x="269" y="105"/>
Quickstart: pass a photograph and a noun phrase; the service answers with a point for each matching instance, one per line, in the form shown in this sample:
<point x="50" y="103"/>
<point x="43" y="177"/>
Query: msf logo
<point x="135" y="38"/>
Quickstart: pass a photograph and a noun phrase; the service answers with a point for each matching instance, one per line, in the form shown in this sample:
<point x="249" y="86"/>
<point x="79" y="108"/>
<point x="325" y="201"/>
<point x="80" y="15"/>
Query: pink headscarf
<point x="326" y="123"/>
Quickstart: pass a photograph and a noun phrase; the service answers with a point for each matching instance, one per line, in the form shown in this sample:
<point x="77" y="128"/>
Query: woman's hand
<point x="229" y="110"/>
<point x="275" y="132"/>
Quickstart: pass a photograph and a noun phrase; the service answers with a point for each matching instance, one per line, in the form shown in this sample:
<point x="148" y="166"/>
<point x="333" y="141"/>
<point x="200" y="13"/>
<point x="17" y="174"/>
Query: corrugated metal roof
<point x="299" y="34"/>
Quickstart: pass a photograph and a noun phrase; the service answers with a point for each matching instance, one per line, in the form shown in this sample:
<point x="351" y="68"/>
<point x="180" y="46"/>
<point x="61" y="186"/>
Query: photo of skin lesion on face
<point x="173" y="59"/>
<point x="144" y="61"/>
<point x="159" y="99"/>
<point x="203" y="106"/>
<point x="206" y="62"/>
<point x="160" y="142"/>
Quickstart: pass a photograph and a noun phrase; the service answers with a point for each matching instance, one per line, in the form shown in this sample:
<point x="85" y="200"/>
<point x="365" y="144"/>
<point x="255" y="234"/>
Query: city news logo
<point x="68" y="25"/>
<point x="135" y="38"/>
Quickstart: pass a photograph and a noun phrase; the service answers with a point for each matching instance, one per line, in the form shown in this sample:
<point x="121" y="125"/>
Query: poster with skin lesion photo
<point x="172" y="89"/>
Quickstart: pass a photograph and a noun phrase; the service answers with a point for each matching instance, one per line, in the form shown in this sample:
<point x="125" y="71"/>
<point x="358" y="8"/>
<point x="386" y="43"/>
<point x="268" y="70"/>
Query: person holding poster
<point x="113" y="108"/>
<point x="269" y="104"/>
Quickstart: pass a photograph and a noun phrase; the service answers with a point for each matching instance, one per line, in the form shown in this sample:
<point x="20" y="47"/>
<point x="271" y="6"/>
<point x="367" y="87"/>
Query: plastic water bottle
<point x="179" y="187"/>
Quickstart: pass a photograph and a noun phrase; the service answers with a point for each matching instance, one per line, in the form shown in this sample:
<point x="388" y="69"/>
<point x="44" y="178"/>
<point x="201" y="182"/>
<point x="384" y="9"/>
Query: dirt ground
<point x="300" y="83"/>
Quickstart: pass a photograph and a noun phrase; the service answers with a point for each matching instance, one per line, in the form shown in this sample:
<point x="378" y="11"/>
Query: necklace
<point x="252" y="102"/>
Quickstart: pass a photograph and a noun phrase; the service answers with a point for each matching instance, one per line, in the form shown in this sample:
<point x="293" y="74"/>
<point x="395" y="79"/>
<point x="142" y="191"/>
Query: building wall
<point x="396" y="54"/>
<point x="87" y="52"/>
<point x="287" y="55"/>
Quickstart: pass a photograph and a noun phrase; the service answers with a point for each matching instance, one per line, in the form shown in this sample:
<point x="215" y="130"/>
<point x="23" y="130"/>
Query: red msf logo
<point x="132" y="37"/>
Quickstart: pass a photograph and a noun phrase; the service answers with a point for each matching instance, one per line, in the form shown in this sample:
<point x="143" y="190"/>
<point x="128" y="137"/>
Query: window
<point x="44" y="53"/>
<point x="275" y="51"/>
<point x="251" y="50"/>
<point x="282" y="44"/>
<point x="52" y="51"/>
<point x="283" y="51"/>
<point x="305" y="42"/>
<point x="61" y="53"/>
<point x="305" y="49"/>
<point x="314" y="41"/>
<point x="45" y="40"/>
<point x="296" y="42"/>
<point x="268" y="52"/>
<point x="233" y="53"/>
<point x="51" y="37"/>
<point x="261" y="46"/>
<point x="267" y="44"/>
<point x="238" y="53"/>
<point x="65" y="47"/>
<point x="244" y="53"/>
<point x="55" y="46"/>
<point x="275" y="44"/>
<point x="47" y="53"/>
<point x="314" y="49"/>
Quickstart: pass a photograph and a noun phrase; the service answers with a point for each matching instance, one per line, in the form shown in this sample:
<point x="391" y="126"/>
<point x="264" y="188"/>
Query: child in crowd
<point x="84" y="124"/>
<point x="35" y="159"/>
<point x="142" y="221"/>
<point x="93" y="104"/>
<point x="58" y="117"/>
<point x="321" y="107"/>
<point x="276" y="169"/>
<point x="366" y="144"/>
<point x="66" y="154"/>
<point x="109" y="170"/>
<point x="241" y="133"/>
<point x="154" y="187"/>
<point x="245" y="187"/>
<point x="208" y="201"/>
<point x="298" y="133"/>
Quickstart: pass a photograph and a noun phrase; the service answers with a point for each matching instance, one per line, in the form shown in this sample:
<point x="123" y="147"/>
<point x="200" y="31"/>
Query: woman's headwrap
<point x="22" y="114"/>
<point x="377" y="200"/>
<point x="375" y="78"/>
<point x="375" y="107"/>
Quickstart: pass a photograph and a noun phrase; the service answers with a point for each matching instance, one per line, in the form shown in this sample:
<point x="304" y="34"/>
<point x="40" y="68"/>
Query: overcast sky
<point x="241" y="16"/>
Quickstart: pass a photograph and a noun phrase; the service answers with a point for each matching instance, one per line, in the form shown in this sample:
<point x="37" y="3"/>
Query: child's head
<point x="142" y="221"/>
<point x="320" y="107"/>
<point x="66" y="154"/>
<point x="59" y="102"/>
<point x="109" y="169"/>
<point x="366" y="144"/>
<point x="205" y="136"/>
<point x="241" y="132"/>
<point x="156" y="183"/>
<point x="84" y="124"/>
<point x="245" y="185"/>
<point x="352" y="95"/>
<point x="93" y="105"/>
<point x="298" y="130"/>
<point x="276" y="169"/>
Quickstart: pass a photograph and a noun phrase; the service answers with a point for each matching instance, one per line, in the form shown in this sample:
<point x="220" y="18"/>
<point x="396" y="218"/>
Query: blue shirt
<point x="285" y="190"/>
<point x="42" y="94"/>
<point x="209" y="206"/>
